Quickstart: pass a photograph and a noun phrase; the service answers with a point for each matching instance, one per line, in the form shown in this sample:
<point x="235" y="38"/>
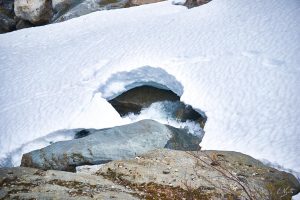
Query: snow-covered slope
<point x="239" y="61"/>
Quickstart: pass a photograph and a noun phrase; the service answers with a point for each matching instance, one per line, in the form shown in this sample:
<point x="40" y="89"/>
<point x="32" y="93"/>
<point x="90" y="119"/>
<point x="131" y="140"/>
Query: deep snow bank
<point x="146" y="75"/>
<point x="238" y="61"/>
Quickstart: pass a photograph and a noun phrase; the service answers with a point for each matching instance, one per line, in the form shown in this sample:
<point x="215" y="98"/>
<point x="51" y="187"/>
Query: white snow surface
<point x="238" y="61"/>
<point x="147" y="75"/>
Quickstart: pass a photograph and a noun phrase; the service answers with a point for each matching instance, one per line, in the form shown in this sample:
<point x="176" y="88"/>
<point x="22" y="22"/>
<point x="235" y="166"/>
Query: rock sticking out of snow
<point x="156" y="174"/>
<point x="36" y="11"/>
<point x="104" y="145"/>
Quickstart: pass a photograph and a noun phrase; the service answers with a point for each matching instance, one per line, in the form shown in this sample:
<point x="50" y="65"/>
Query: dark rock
<point x="134" y="100"/>
<point x="7" y="5"/>
<point x="24" y="24"/>
<point x="137" y="98"/>
<point x="195" y="3"/>
<point x="187" y="141"/>
<point x="82" y="133"/>
<point x="142" y="2"/>
<point x="185" y="112"/>
<point x="6" y="23"/>
<point x="101" y="146"/>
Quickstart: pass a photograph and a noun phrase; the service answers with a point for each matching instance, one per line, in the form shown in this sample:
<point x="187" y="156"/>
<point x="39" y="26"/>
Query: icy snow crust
<point x="151" y="76"/>
<point x="239" y="61"/>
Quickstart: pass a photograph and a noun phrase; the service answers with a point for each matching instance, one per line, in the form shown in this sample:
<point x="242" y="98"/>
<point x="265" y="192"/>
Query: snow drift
<point x="238" y="61"/>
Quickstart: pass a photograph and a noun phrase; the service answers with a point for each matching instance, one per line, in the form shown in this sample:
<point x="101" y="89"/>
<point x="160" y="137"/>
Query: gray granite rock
<point x="35" y="11"/>
<point x="101" y="146"/>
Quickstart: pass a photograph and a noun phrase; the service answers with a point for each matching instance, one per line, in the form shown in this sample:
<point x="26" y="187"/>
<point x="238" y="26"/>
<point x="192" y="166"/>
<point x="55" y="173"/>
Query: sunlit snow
<point x="238" y="61"/>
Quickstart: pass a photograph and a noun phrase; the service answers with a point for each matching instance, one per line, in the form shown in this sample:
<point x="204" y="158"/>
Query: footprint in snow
<point x="92" y="72"/>
<point x="273" y="62"/>
<point x="251" y="53"/>
<point x="191" y="60"/>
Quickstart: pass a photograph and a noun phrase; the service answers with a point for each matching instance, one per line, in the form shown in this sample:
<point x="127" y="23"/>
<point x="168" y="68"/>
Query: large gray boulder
<point x="35" y="11"/>
<point x="101" y="146"/>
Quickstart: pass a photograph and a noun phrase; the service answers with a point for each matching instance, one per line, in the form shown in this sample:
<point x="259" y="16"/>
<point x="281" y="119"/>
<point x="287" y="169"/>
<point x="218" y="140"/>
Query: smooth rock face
<point x="110" y="144"/>
<point x="200" y="173"/>
<point x="36" y="11"/>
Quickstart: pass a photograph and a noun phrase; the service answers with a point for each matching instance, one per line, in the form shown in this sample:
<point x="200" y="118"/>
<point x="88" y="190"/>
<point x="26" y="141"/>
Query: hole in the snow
<point x="152" y="93"/>
<point x="149" y="99"/>
<point x="135" y="99"/>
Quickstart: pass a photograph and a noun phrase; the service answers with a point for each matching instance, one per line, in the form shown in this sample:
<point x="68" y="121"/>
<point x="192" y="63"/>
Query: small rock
<point x="6" y="23"/>
<point x="36" y="11"/>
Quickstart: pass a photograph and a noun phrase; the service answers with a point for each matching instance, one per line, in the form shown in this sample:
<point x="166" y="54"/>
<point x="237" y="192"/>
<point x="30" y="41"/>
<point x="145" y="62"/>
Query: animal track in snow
<point x="251" y="53"/>
<point x="273" y="62"/>
<point x="90" y="73"/>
